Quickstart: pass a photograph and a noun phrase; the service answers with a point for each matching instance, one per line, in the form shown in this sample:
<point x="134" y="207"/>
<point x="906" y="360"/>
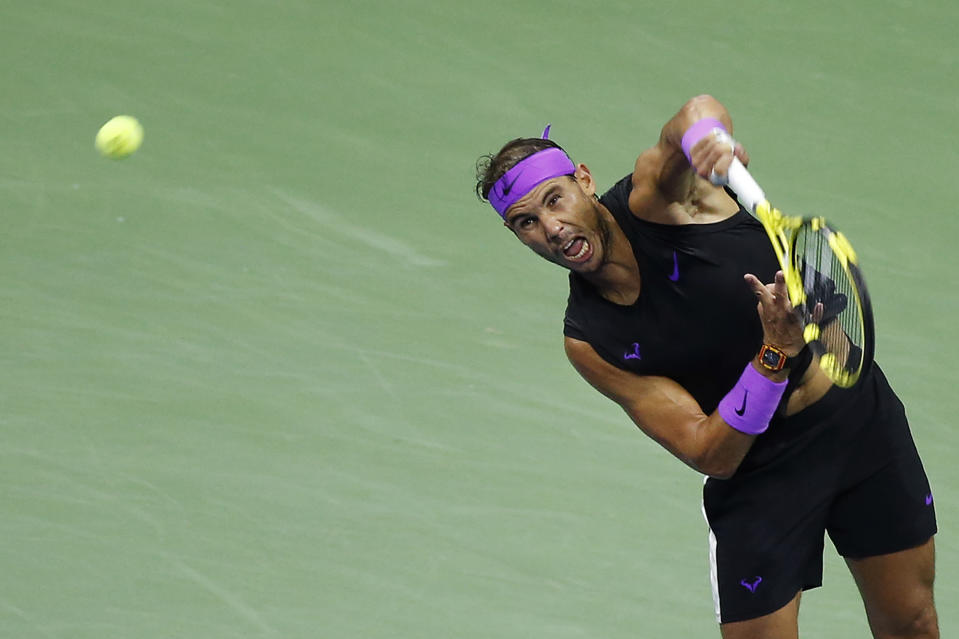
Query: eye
<point x="553" y="199"/>
<point x="526" y="222"/>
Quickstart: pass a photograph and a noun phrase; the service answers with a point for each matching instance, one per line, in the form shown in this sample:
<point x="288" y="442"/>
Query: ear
<point x="585" y="179"/>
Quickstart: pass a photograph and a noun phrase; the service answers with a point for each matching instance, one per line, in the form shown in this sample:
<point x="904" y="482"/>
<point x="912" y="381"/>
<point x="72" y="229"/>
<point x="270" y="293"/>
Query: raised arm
<point x="663" y="174"/>
<point x="706" y="156"/>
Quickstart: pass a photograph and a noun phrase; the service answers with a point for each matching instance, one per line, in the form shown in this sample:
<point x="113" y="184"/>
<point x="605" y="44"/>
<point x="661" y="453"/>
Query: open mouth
<point x="577" y="250"/>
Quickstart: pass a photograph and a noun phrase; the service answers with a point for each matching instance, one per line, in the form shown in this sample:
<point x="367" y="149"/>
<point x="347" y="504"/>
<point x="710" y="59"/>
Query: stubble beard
<point x="602" y="228"/>
<point x="603" y="237"/>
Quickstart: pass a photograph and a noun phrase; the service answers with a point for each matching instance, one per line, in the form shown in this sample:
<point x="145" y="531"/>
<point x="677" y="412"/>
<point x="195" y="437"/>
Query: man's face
<point x="561" y="221"/>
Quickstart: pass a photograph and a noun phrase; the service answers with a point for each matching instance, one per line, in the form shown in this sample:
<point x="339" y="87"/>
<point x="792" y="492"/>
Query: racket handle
<point x="739" y="180"/>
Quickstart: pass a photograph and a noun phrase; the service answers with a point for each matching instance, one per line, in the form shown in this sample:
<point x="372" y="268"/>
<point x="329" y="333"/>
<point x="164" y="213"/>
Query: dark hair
<point x="490" y="168"/>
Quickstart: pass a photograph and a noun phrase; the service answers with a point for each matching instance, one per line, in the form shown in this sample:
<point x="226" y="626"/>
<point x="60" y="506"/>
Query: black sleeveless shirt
<point x="695" y="320"/>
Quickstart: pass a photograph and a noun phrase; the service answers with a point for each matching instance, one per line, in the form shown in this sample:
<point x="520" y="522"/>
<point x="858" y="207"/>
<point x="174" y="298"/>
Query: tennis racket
<point x="824" y="281"/>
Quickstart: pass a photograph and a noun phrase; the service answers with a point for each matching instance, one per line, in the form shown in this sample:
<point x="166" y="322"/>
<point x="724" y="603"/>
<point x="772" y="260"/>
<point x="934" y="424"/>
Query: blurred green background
<point x="280" y="374"/>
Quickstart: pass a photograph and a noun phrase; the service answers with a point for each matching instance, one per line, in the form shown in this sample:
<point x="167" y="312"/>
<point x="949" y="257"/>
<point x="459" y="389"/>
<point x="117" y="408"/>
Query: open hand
<point x="781" y="325"/>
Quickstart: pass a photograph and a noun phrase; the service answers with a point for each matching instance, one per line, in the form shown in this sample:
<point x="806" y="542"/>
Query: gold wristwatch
<point x="772" y="358"/>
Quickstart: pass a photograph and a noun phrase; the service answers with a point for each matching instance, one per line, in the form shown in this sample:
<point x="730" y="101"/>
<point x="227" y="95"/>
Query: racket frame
<point x="783" y="232"/>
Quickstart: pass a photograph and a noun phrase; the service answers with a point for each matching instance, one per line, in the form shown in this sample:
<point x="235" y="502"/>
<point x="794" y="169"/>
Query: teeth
<point x="582" y="250"/>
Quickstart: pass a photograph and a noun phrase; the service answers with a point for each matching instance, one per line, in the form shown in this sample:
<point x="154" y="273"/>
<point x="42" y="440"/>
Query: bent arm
<point x="696" y="109"/>
<point x="677" y="171"/>
<point x="666" y="412"/>
<point x="663" y="174"/>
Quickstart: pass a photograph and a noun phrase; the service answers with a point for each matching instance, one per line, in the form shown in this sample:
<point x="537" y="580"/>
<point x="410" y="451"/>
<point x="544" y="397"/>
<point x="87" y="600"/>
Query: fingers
<point x="713" y="154"/>
<point x="780" y="291"/>
<point x="721" y="168"/>
<point x="817" y="312"/>
<point x="781" y="324"/>
<point x="740" y="153"/>
<point x="775" y="295"/>
<point x="759" y="289"/>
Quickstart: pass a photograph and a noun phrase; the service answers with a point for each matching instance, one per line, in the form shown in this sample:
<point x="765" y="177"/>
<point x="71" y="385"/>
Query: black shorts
<point x="855" y="474"/>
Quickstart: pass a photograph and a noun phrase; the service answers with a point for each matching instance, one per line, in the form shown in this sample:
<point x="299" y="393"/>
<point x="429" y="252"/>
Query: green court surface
<point x="281" y="374"/>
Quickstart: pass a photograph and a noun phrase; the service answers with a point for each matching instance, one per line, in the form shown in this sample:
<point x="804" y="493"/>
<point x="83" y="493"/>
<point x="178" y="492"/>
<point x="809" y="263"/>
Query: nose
<point x="553" y="225"/>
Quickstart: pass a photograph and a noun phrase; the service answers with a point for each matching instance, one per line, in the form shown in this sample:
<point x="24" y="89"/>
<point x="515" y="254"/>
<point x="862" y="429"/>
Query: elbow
<point x="721" y="472"/>
<point x="699" y="104"/>
<point x="715" y="470"/>
<point x="706" y="106"/>
<point x="699" y="100"/>
<point x="714" y="465"/>
<point x="718" y="450"/>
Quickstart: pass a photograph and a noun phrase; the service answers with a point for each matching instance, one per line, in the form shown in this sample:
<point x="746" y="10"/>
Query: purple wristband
<point x="752" y="402"/>
<point x="697" y="132"/>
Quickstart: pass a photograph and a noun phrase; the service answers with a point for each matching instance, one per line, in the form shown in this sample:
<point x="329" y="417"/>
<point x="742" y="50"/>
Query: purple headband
<point x="525" y="175"/>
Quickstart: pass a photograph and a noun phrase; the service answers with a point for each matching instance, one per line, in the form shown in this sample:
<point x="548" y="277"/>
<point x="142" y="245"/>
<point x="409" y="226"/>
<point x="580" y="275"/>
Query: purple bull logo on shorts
<point x="634" y="354"/>
<point x="751" y="586"/>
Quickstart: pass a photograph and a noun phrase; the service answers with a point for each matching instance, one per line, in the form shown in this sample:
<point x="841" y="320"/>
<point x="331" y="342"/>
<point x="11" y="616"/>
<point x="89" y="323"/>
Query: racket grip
<point x="742" y="183"/>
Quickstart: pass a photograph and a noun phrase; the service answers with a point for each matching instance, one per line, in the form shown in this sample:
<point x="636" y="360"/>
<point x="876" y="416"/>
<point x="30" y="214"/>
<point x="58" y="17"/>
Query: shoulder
<point x="616" y="198"/>
<point x="617" y="384"/>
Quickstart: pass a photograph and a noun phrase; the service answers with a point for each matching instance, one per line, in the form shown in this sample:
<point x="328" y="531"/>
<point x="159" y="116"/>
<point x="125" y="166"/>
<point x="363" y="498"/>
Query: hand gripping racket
<point x="824" y="281"/>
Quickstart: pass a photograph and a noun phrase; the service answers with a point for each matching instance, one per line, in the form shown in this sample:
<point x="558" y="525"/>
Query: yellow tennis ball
<point x="119" y="137"/>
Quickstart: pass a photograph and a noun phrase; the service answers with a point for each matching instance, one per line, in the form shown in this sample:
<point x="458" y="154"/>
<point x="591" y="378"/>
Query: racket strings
<point x="832" y="301"/>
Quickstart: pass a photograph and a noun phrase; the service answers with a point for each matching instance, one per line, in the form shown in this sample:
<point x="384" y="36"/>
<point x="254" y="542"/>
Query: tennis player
<point x="668" y="315"/>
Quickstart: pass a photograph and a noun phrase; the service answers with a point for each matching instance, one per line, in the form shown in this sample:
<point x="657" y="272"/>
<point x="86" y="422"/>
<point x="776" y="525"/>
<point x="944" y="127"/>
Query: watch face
<point x="772" y="359"/>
